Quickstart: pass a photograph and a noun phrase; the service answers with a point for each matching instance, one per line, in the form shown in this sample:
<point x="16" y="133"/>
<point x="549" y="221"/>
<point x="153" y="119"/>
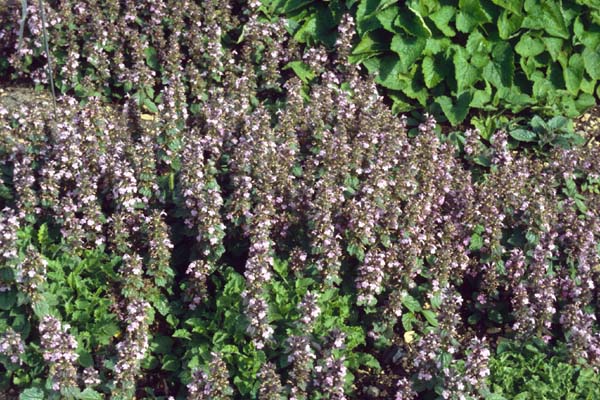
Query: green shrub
<point x="457" y="57"/>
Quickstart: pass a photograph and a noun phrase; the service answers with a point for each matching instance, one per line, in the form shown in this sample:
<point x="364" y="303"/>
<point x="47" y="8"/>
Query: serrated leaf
<point x="478" y="44"/>
<point x="470" y="15"/>
<point x="412" y="23"/>
<point x="529" y="46"/>
<point x="500" y="71"/>
<point x="431" y="317"/>
<point x="591" y="61"/>
<point x="476" y="242"/>
<point x="32" y="394"/>
<point x="465" y="73"/>
<point x="408" y="319"/>
<point x="371" y="43"/>
<point x="411" y="303"/>
<point x="508" y="24"/>
<point x="387" y="17"/>
<point x="409" y="49"/>
<point x="441" y="19"/>
<point x="553" y="46"/>
<point x="302" y="70"/>
<point x="435" y="46"/>
<point x="553" y="21"/>
<point x="455" y="112"/>
<point x="389" y="69"/>
<point x="573" y="74"/>
<point x="431" y="72"/>
<point x="89" y="394"/>
<point x="514" y="6"/>
<point x="523" y="135"/>
<point x="152" y="58"/>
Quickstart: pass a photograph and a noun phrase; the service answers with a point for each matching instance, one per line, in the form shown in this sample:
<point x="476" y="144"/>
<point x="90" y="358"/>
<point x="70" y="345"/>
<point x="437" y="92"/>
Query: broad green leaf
<point x="307" y="31"/>
<point x="370" y="44"/>
<point x="389" y="71"/>
<point x="293" y="5"/>
<point x="89" y="394"/>
<point x="470" y="15"/>
<point x="591" y="61"/>
<point x="500" y="71"/>
<point x="465" y="73"/>
<point x="478" y="44"/>
<point x="529" y="46"/>
<point x="387" y="17"/>
<point x="588" y="85"/>
<point x="441" y="18"/>
<point x="436" y="46"/>
<point x="553" y="45"/>
<point x="514" y="6"/>
<point x="553" y="20"/>
<point x="573" y="74"/>
<point x="412" y="23"/>
<point x="431" y="317"/>
<point x="431" y="72"/>
<point x="523" y="135"/>
<point x="508" y="24"/>
<point x="409" y="49"/>
<point x="302" y="70"/>
<point x="366" y="20"/>
<point x="32" y="394"/>
<point x="455" y="112"/>
<point x="415" y="89"/>
<point x="586" y="36"/>
<point x="152" y="58"/>
<point x="411" y="303"/>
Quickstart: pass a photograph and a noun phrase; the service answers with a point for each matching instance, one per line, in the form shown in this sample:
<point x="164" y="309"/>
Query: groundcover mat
<point x="255" y="200"/>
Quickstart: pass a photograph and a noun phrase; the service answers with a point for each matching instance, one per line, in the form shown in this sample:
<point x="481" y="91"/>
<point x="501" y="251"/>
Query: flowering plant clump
<point x="248" y="219"/>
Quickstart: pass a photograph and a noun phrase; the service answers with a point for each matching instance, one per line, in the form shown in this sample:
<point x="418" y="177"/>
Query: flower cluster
<point x="60" y="352"/>
<point x="12" y="346"/>
<point x="214" y="384"/>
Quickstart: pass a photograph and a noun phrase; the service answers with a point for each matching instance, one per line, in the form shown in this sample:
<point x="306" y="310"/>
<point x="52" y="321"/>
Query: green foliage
<point x="461" y="56"/>
<point x="527" y="372"/>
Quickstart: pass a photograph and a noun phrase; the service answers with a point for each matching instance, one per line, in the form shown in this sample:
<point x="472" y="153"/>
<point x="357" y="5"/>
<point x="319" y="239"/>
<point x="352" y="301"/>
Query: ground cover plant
<point x="215" y="211"/>
<point x="457" y="57"/>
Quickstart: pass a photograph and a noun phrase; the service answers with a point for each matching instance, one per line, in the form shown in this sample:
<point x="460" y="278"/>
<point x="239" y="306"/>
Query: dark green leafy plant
<point x="455" y="57"/>
<point x="528" y="372"/>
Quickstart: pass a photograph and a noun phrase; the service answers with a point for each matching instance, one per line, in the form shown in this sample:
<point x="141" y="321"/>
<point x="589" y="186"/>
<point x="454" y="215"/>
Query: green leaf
<point x="389" y="69"/>
<point x="436" y="46"/>
<point x="523" y="135"/>
<point x="553" y="20"/>
<point x="431" y="72"/>
<point x="302" y="70"/>
<point x="508" y="24"/>
<point x="32" y="394"/>
<point x="412" y="23"/>
<point x="591" y="61"/>
<point x="466" y="74"/>
<point x="152" y="58"/>
<point x="387" y="17"/>
<point x="471" y="14"/>
<point x="411" y="303"/>
<point x="500" y="71"/>
<point x="294" y="5"/>
<point x="554" y="46"/>
<point x="7" y="299"/>
<point x="456" y="113"/>
<point x="514" y="6"/>
<point x="89" y="394"/>
<point x="529" y="46"/>
<point x="431" y="317"/>
<point x="409" y="49"/>
<point x="150" y="106"/>
<point x="573" y="74"/>
<point x="408" y="319"/>
<point x="476" y="242"/>
<point x="441" y="18"/>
